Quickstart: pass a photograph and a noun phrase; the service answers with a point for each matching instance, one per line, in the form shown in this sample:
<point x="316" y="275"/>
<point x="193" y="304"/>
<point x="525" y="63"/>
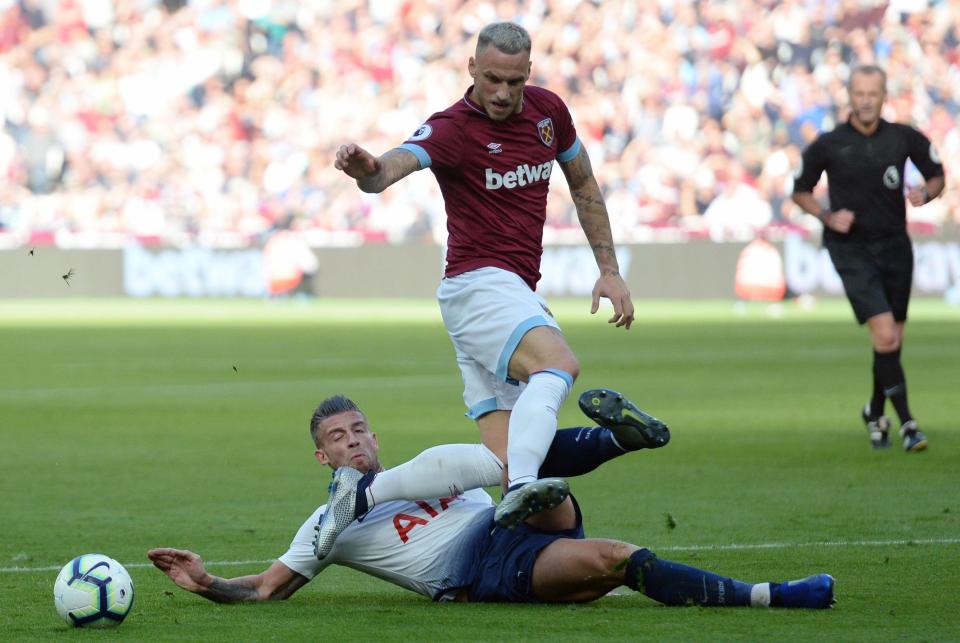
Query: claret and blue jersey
<point x="494" y="177"/>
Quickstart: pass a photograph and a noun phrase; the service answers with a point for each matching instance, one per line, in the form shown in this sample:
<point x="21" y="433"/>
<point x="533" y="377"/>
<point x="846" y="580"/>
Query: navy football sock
<point x="579" y="450"/>
<point x="361" y="505"/>
<point x="676" y="584"/>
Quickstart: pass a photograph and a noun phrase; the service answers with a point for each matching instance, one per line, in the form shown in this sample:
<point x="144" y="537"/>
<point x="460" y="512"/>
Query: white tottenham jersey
<point x="427" y="546"/>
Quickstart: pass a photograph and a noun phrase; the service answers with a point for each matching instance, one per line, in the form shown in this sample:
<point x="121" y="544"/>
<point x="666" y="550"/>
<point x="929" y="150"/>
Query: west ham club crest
<point x="545" y="130"/>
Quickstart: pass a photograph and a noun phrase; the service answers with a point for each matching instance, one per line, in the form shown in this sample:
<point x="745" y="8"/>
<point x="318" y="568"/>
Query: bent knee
<point x="543" y="348"/>
<point x="613" y="553"/>
<point x="571" y="366"/>
<point x="566" y="362"/>
<point x="886" y="342"/>
<point x="885" y="333"/>
<point x="562" y="367"/>
<point x="568" y="372"/>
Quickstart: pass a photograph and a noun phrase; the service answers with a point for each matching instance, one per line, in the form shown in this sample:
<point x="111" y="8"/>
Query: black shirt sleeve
<point x="923" y="154"/>
<point x="812" y="164"/>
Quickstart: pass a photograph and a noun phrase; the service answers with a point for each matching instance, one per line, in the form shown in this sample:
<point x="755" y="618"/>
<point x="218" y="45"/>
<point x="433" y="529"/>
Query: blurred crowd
<point x="216" y="121"/>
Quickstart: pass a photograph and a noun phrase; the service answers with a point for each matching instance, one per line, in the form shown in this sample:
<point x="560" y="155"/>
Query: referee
<point x="865" y="232"/>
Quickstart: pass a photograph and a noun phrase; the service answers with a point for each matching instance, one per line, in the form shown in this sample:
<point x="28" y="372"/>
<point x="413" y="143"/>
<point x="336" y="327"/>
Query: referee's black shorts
<point x="876" y="275"/>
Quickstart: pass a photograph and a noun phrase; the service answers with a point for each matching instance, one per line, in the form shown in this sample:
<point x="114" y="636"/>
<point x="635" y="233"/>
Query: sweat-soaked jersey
<point x="494" y="177"/>
<point x="865" y="175"/>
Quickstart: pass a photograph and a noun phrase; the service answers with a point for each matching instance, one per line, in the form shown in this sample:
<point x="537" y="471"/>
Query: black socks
<point x="889" y="377"/>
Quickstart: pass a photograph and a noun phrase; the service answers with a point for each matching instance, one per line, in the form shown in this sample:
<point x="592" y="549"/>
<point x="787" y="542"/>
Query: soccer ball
<point x="93" y="590"/>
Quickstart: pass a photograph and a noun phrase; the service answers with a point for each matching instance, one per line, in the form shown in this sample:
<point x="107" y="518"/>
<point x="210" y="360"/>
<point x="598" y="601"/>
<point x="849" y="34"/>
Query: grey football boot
<point x="522" y="501"/>
<point x="632" y="428"/>
<point x="347" y="502"/>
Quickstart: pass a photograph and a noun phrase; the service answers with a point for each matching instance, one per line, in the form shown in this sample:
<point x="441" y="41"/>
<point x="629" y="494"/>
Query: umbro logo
<point x="494" y="148"/>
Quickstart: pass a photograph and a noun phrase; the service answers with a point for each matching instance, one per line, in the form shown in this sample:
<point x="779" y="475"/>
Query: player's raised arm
<point x="186" y="569"/>
<point x="371" y="173"/>
<point x="592" y="213"/>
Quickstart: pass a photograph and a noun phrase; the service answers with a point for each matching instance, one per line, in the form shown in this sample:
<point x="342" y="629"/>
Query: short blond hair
<point x="507" y="37"/>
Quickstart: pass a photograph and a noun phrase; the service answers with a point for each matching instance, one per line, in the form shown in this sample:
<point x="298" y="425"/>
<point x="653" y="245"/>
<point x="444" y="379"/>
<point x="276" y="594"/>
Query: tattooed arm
<point x="371" y="173"/>
<point x="592" y="212"/>
<point x="186" y="569"/>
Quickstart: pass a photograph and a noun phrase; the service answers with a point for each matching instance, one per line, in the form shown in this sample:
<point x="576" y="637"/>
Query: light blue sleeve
<point x="570" y="153"/>
<point x="419" y="152"/>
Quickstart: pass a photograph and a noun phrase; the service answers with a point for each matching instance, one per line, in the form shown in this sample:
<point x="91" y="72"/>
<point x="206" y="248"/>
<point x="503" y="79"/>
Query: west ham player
<point x="865" y="232"/>
<point x="492" y="153"/>
<point x="450" y="549"/>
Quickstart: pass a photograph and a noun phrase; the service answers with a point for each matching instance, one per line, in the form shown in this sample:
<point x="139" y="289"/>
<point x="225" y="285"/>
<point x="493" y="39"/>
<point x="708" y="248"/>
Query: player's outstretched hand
<point x="614" y="288"/>
<point x="184" y="568"/>
<point x="356" y="162"/>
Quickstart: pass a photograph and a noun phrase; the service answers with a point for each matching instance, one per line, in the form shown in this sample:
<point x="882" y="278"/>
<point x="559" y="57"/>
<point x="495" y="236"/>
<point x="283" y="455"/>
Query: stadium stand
<point x="212" y="121"/>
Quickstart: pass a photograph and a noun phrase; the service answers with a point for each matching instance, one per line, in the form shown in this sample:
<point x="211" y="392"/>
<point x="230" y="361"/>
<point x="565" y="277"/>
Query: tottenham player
<point x="492" y="153"/>
<point x="450" y="549"/>
<point x="865" y="232"/>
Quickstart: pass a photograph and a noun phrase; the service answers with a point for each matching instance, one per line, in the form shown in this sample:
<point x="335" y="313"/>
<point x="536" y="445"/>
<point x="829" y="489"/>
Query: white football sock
<point x="760" y="595"/>
<point x="438" y="472"/>
<point x="533" y="423"/>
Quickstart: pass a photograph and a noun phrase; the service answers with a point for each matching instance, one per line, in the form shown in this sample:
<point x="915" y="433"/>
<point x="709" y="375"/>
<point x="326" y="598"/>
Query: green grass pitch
<point x="130" y="425"/>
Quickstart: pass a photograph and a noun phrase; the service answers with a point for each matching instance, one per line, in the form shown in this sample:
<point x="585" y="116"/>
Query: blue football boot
<point x="813" y="592"/>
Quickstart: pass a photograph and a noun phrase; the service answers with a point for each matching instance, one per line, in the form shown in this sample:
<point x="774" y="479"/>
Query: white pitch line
<point x="826" y="543"/>
<point x="53" y="568"/>
<point x="726" y="547"/>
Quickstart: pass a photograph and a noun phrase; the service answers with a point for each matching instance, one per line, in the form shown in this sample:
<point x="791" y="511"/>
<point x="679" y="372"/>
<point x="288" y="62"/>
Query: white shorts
<point x="487" y="312"/>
